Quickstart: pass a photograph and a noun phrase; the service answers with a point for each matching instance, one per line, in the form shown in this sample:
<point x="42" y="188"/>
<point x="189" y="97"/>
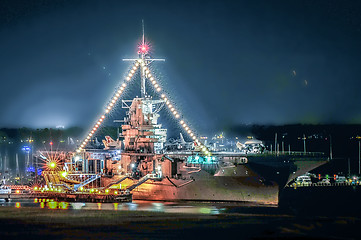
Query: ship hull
<point x="205" y="187"/>
<point x="255" y="182"/>
<point x="283" y="169"/>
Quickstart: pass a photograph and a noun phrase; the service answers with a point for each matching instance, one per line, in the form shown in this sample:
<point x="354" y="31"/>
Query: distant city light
<point x="26" y="148"/>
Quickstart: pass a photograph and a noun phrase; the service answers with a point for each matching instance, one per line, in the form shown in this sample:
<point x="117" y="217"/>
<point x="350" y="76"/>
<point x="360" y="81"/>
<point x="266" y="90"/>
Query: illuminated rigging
<point x="142" y="62"/>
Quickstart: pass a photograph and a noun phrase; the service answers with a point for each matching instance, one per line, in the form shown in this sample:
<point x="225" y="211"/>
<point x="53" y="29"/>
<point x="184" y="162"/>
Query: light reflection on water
<point x="166" y="207"/>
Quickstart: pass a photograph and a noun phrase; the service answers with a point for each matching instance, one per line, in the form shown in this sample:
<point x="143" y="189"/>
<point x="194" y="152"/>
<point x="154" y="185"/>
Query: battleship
<point x="141" y="161"/>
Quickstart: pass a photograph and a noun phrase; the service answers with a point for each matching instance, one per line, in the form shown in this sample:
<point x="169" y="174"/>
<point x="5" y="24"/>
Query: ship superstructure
<point x="143" y="138"/>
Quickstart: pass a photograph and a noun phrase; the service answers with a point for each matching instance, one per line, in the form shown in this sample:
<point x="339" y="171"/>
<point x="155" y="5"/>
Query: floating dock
<point x="84" y="197"/>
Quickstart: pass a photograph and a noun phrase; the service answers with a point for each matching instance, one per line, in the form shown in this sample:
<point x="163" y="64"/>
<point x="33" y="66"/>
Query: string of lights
<point x="109" y="107"/>
<point x="158" y="89"/>
<point x="173" y="110"/>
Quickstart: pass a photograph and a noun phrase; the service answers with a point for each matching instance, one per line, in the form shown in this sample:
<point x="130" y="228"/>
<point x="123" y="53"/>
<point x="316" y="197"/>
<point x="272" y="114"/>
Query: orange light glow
<point x="17" y="205"/>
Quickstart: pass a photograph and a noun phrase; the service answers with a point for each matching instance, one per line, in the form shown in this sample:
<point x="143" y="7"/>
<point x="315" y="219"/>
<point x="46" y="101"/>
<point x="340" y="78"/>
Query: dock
<point x="84" y="197"/>
<point x="7" y="197"/>
<point x="72" y="197"/>
<point x="322" y="184"/>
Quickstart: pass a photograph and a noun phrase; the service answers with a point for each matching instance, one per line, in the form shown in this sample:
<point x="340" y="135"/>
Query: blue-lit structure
<point x="26" y="148"/>
<point x="201" y="159"/>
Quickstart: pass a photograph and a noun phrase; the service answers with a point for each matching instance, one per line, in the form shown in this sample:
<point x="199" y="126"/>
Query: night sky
<point x="227" y="62"/>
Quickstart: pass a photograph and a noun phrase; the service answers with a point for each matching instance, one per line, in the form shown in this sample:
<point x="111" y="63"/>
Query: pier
<point x="72" y="197"/>
<point x="323" y="184"/>
<point x="85" y="197"/>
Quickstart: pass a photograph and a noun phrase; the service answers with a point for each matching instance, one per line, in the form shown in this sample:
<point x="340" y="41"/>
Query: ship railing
<point x="116" y="182"/>
<point x="181" y="185"/>
<point x="192" y="169"/>
<point x="89" y="180"/>
<point x="301" y="154"/>
<point x="143" y="180"/>
<point x="287" y="153"/>
<point x="63" y="185"/>
<point x="186" y="154"/>
<point x="323" y="184"/>
<point x="80" y="177"/>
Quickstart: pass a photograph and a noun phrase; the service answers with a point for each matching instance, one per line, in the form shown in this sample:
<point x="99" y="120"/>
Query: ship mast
<point x="145" y="59"/>
<point x="142" y="86"/>
<point x="147" y="104"/>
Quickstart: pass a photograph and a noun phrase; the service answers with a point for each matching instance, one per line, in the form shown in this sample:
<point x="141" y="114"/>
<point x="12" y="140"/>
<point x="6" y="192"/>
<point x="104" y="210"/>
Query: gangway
<point x="63" y="185"/>
<point x="51" y="178"/>
<point x="116" y="182"/>
<point x="46" y="178"/>
<point x="143" y="180"/>
<point x="89" y="180"/>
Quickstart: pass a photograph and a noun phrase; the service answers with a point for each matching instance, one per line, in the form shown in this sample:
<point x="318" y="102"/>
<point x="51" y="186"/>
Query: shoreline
<point x="34" y="223"/>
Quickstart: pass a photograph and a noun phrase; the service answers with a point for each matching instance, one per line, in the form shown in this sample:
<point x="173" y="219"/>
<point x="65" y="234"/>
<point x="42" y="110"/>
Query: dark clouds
<point x="229" y="62"/>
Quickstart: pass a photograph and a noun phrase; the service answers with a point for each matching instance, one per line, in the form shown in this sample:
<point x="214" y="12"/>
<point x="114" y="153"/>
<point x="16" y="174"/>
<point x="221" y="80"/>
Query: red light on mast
<point x="51" y="143"/>
<point x="143" y="48"/>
